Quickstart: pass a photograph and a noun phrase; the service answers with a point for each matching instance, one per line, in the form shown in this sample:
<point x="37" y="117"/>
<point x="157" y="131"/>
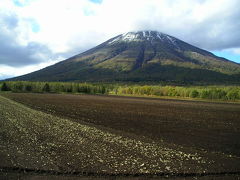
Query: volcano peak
<point x="141" y="56"/>
<point x="151" y="36"/>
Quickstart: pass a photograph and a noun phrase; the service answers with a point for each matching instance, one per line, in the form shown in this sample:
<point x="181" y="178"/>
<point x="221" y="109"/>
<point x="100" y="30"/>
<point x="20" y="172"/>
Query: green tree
<point x="205" y="94"/>
<point x="28" y="88"/>
<point x="194" y="94"/>
<point x="46" y="88"/>
<point x="5" y="87"/>
<point x="233" y="94"/>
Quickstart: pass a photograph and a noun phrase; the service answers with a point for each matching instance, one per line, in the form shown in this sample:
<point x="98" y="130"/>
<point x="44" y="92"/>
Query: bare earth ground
<point x="103" y="135"/>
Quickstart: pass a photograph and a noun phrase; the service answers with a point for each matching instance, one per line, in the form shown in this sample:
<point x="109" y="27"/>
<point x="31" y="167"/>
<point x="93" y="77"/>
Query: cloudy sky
<point x="38" y="33"/>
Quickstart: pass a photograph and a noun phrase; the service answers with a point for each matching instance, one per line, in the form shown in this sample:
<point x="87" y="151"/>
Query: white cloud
<point x="10" y="71"/>
<point x="235" y="51"/>
<point x="66" y="24"/>
<point x="68" y="27"/>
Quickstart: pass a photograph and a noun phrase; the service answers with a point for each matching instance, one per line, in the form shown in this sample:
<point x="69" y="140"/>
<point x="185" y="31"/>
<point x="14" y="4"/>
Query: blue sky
<point x="228" y="55"/>
<point x="96" y="1"/>
<point x="35" y="26"/>
<point x="18" y="3"/>
<point x="38" y="33"/>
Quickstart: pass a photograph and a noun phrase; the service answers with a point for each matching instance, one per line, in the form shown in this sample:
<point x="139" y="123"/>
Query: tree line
<point x="207" y="92"/>
<point x="52" y="87"/>
<point x="203" y="92"/>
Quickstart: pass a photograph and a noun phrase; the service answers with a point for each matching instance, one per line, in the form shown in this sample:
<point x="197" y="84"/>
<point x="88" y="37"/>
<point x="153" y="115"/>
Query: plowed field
<point x="123" y="136"/>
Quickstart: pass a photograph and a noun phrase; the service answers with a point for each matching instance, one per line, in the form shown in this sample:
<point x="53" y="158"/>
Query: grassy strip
<point x="179" y="98"/>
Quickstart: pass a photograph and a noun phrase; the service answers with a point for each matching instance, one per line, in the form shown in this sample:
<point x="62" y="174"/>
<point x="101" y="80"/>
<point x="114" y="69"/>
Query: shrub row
<point x="53" y="87"/>
<point x="225" y="93"/>
<point x="208" y="92"/>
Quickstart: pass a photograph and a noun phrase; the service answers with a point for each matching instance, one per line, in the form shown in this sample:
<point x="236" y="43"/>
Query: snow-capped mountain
<point x="151" y="36"/>
<point x="141" y="56"/>
<point x="139" y="36"/>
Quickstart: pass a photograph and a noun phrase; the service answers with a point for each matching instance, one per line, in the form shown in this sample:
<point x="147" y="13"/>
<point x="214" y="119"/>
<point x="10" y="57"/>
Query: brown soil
<point x="210" y="126"/>
<point x="186" y="138"/>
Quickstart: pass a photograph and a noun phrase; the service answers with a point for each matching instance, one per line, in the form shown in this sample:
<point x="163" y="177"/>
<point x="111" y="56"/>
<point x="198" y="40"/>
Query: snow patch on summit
<point x="172" y="41"/>
<point x="114" y="40"/>
<point x="130" y="37"/>
<point x="145" y="36"/>
<point x="144" y="33"/>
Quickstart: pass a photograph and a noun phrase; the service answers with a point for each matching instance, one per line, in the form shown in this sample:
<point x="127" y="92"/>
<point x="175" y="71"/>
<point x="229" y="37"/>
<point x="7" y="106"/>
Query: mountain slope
<point x="141" y="56"/>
